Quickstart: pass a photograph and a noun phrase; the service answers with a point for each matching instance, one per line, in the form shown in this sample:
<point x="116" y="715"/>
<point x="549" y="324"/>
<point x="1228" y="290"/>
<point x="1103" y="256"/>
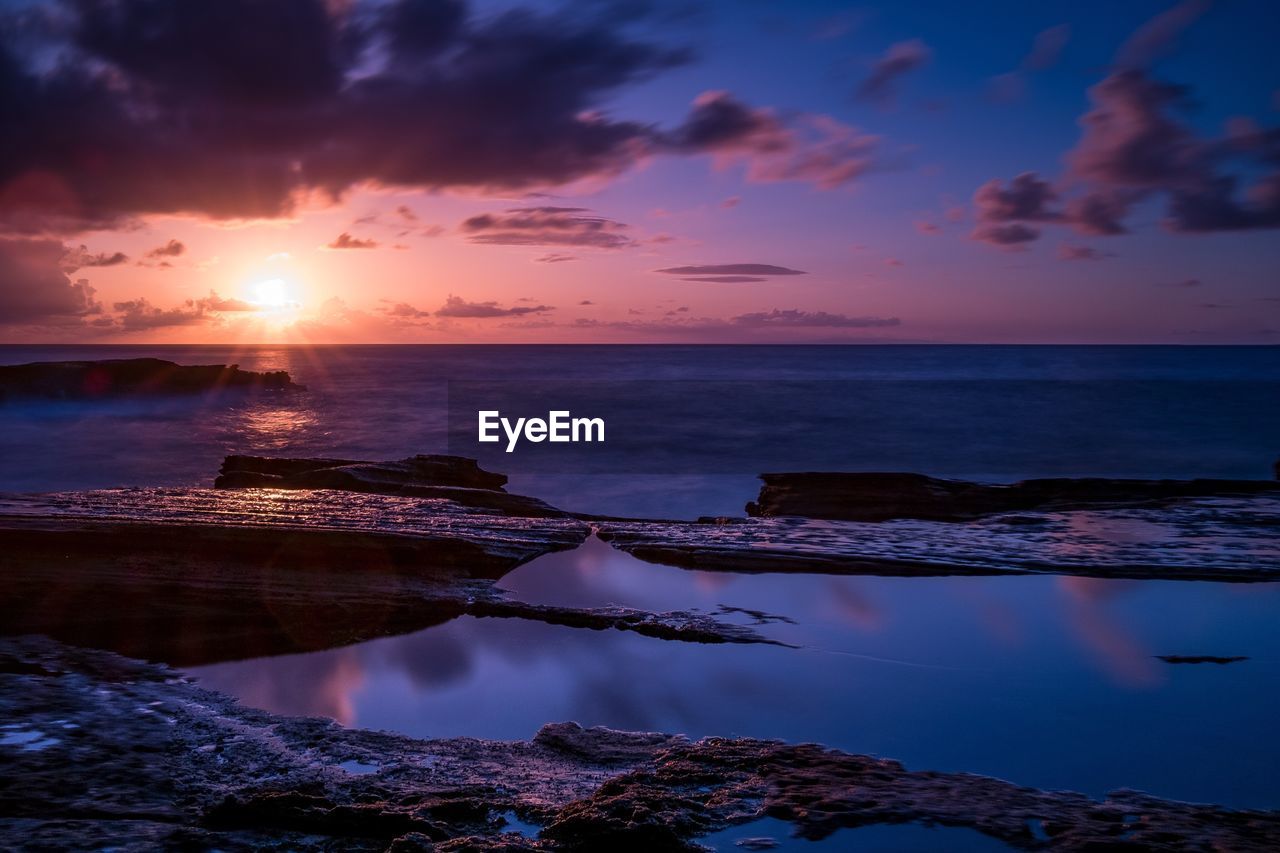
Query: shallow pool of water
<point x="1046" y="681"/>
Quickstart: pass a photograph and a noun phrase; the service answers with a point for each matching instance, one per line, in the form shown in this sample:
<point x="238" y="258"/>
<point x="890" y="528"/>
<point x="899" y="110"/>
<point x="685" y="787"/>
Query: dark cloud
<point x="78" y="257"/>
<point x="346" y="241"/>
<point x="233" y="110"/>
<point x="555" y="258"/>
<point x="725" y="279"/>
<point x="812" y="149"/>
<point x="171" y="249"/>
<point x="1012" y="234"/>
<point x="547" y="226"/>
<point x="794" y="318"/>
<point x="35" y="289"/>
<point x="456" y="306"/>
<point x="1183" y="283"/>
<point x="730" y="269"/>
<point x="586" y="302"/>
<point x="900" y="59"/>
<point x="1026" y="198"/>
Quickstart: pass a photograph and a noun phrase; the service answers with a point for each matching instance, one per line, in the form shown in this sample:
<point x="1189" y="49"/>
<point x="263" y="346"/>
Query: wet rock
<point x="1231" y="539"/>
<point x="200" y="576"/>
<point x="88" y="380"/>
<point x="881" y="497"/>
<point x="454" y="478"/>
<point x="684" y="625"/>
<point x="145" y="759"/>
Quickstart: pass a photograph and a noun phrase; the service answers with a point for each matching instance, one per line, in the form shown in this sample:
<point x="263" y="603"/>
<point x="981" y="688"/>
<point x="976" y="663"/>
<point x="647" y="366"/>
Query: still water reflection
<point x="1047" y="681"/>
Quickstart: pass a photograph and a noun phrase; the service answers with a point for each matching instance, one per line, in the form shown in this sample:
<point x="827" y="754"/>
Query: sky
<point x="691" y="171"/>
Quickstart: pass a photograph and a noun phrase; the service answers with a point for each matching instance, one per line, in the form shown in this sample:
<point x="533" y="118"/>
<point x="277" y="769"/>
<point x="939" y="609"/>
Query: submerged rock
<point x="88" y="380"/>
<point x="881" y="497"/>
<point x="112" y="752"/>
<point x="454" y="478"/>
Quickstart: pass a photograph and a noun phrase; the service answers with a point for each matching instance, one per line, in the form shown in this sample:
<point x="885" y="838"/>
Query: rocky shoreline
<point x="161" y="762"/>
<point x="297" y="555"/>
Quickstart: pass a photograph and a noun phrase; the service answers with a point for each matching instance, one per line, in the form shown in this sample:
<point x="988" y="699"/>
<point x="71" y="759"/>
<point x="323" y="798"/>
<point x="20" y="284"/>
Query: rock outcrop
<point x="109" y="378"/>
<point x="881" y="497"/>
<point x="454" y="478"/>
<point x="1224" y="539"/>
<point x="106" y="751"/>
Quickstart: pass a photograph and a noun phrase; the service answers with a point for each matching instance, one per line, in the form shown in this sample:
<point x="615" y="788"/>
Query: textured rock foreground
<point x="102" y="750"/>
<point x="88" y="380"/>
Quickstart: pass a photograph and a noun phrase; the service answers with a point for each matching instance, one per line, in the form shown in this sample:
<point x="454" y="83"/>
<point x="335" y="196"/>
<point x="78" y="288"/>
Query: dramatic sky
<point x="687" y="170"/>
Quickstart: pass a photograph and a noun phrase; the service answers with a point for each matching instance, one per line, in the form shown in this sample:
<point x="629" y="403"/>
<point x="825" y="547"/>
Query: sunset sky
<point x="684" y="171"/>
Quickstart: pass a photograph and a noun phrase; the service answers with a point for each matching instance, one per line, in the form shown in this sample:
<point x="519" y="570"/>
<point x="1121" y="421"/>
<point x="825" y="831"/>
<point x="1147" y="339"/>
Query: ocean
<point x="992" y="413"/>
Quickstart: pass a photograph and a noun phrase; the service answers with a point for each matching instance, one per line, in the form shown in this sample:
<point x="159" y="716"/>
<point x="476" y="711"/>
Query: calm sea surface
<point x="1047" y="681"/>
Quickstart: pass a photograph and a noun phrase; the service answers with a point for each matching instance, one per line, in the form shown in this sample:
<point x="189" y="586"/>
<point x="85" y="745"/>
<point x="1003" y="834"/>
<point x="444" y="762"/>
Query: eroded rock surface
<point x="1194" y="539"/>
<point x="87" y="380"/>
<point x="101" y="750"/>
<point x="880" y="497"/>
<point x="454" y="478"/>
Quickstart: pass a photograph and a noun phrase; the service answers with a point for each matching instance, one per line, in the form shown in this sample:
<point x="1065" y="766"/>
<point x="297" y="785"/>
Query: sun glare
<point x="272" y="293"/>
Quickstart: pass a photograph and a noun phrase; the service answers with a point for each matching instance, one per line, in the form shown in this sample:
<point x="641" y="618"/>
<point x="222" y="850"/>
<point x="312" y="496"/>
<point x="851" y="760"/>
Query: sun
<point x="272" y="293"/>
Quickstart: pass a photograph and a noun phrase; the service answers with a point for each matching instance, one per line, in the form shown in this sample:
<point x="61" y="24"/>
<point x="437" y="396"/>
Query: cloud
<point x="1045" y="51"/>
<point x="171" y="249"/>
<point x="1183" y="283"/>
<point x="586" y="302"/>
<point x="730" y="269"/>
<point x="926" y="227"/>
<point x="456" y="306"/>
<point x="404" y="311"/>
<point x="725" y="279"/>
<point x="731" y="202"/>
<point x="1135" y="146"/>
<point x="815" y="149"/>
<point x="238" y="109"/>
<point x="78" y="257"/>
<point x="555" y="258"/>
<point x="1159" y="35"/>
<point x="794" y="318"/>
<point x="139" y="314"/>
<point x="1013" y="234"/>
<point x="898" y="60"/>
<point x="35" y="289"/>
<point x="214" y="302"/>
<point x="547" y="226"/>
<point x="346" y="241"/>
<point x="1047" y="48"/>
<point x="1070" y="252"/>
